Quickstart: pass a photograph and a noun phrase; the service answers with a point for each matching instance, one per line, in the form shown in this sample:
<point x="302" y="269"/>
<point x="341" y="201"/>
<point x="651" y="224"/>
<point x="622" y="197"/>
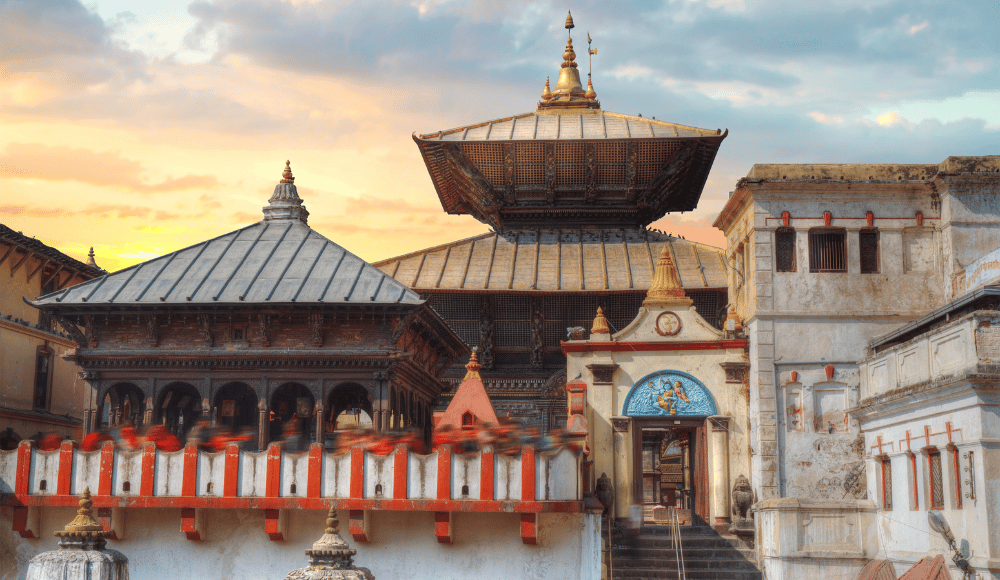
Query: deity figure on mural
<point x="668" y="400"/>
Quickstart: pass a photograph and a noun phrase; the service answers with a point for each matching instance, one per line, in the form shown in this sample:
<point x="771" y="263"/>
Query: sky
<point x="140" y="128"/>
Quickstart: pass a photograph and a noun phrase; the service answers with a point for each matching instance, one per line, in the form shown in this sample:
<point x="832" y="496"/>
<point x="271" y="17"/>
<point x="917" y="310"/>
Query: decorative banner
<point x="669" y="394"/>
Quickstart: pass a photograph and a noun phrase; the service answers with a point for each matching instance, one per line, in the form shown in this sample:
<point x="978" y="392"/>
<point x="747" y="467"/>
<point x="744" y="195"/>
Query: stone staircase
<point x="707" y="556"/>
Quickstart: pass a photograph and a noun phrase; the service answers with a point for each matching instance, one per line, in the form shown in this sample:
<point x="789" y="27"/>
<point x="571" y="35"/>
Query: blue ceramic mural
<point x="669" y="394"/>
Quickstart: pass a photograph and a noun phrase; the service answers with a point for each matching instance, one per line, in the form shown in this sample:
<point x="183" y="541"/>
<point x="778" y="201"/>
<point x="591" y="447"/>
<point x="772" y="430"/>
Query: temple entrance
<point x="670" y="467"/>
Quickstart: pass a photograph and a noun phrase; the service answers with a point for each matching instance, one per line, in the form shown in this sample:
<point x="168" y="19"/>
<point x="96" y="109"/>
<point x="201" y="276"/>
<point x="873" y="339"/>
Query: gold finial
<point x="84" y="521"/>
<point x="90" y="257"/>
<point x="666" y="285"/>
<point x="569" y="57"/>
<point x="731" y="315"/>
<point x="546" y="92"/>
<point x="472" y="369"/>
<point x="590" y="94"/>
<point x="569" y="20"/>
<point x="286" y="175"/>
<point x="600" y="323"/>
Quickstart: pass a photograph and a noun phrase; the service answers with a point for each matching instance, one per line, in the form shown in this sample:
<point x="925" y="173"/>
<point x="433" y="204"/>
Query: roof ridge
<point x="433" y="249"/>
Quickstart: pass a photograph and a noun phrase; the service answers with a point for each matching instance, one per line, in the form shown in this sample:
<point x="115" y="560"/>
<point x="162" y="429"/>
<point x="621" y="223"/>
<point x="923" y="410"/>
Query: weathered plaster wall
<point x="487" y="546"/>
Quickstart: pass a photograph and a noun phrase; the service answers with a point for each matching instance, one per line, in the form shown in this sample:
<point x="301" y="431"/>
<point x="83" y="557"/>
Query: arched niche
<point x="122" y="403"/>
<point x="178" y="407"/>
<point x="235" y="407"/>
<point x="669" y="394"/>
<point x="353" y="402"/>
<point x="292" y="402"/>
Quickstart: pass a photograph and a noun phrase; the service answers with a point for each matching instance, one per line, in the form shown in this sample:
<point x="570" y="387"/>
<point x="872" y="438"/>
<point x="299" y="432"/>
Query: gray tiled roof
<point x="269" y="262"/>
<point x="596" y="125"/>
<point x="552" y="261"/>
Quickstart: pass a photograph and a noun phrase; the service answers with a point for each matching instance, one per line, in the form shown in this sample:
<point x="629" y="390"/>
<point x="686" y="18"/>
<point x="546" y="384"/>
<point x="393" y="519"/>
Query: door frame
<point x="699" y="476"/>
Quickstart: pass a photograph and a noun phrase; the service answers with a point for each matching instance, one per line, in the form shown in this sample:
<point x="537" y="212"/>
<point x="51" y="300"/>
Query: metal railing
<point x="673" y="520"/>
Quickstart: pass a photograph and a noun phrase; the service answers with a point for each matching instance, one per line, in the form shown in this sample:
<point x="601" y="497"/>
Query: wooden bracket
<point x="359" y="525"/>
<point x="112" y="520"/>
<point x="26" y="521"/>
<point x="193" y="523"/>
<point x="444" y="527"/>
<point x="275" y="524"/>
<point x="529" y="529"/>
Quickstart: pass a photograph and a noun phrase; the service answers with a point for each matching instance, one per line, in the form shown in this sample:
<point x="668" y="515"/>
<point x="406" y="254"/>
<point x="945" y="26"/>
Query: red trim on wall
<point x="272" y="525"/>
<point x="231" y="472"/>
<point x="148" y="470"/>
<point x="399" y="472"/>
<point x="23" y="473"/>
<point x="107" y="468"/>
<point x="272" y="479"/>
<point x="189" y="479"/>
<point x="442" y="527"/>
<point x="444" y="472"/>
<point x="189" y="524"/>
<point x="487" y="467"/>
<point x="65" y="478"/>
<point x="644" y="346"/>
<point x="529" y="529"/>
<point x="528" y="474"/>
<point x="357" y="472"/>
<point x="315" y="470"/>
<point x="916" y="478"/>
<point x="356" y="526"/>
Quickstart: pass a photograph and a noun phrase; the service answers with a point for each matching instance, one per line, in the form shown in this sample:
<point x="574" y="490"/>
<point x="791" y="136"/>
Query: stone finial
<point x="472" y="369"/>
<point x="666" y="285"/>
<point x="90" y="257"/>
<point x="330" y="557"/>
<point x="546" y="92"/>
<point x="285" y="203"/>
<point x="84" y="520"/>
<point x="600" y="323"/>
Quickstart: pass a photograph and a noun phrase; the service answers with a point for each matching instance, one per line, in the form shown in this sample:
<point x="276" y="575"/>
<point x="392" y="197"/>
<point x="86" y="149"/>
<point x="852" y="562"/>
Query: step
<point x="671" y="574"/>
<point x="666" y="563"/>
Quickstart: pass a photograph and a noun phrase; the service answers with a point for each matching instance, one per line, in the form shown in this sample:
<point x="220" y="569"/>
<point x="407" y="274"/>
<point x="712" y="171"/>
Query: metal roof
<point x="556" y="261"/>
<point x="269" y="262"/>
<point x="31" y="245"/>
<point x="570" y="125"/>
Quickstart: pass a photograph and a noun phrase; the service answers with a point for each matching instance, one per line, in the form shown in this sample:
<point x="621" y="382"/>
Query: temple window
<point x="784" y="249"/>
<point x="468" y="419"/>
<point x="935" y="479"/>
<point x="869" y="250"/>
<point x="886" y="468"/>
<point x="827" y="250"/>
<point x="43" y="372"/>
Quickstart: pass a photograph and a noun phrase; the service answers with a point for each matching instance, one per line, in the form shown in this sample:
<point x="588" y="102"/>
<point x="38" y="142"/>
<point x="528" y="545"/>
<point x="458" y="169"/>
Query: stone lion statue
<point x="742" y="500"/>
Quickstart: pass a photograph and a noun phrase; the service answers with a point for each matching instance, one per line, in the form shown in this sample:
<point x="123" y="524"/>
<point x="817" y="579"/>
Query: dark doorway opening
<point x="669" y="463"/>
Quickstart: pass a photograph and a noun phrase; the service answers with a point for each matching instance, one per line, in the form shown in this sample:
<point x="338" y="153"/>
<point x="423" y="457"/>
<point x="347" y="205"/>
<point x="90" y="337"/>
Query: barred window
<point x="868" y="243"/>
<point x="43" y="364"/>
<point x="936" y="480"/>
<point x="886" y="484"/>
<point x="828" y="250"/>
<point x="784" y="249"/>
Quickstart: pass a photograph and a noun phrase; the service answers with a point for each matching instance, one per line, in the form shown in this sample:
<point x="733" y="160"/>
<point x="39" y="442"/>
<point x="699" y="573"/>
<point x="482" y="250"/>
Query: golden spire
<point x="600" y="323"/>
<point x="286" y="175"/>
<point x="569" y="92"/>
<point x="472" y="369"/>
<point x="84" y="521"/>
<point x="546" y="92"/>
<point x="590" y="94"/>
<point x="569" y="20"/>
<point x="90" y="257"/>
<point x="666" y="286"/>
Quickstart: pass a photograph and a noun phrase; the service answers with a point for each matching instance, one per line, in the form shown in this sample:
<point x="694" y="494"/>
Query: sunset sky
<point x="139" y="128"/>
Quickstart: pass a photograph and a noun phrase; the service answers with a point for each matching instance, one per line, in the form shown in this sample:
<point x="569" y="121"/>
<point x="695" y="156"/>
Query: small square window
<point x="237" y="334"/>
<point x="784" y="249"/>
<point x="828" y="250"/>
<point x="868" y="245"/>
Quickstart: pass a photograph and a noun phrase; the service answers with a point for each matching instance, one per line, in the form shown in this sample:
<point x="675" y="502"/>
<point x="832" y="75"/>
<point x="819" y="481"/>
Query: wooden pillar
<point x="263" y="424"/>
<point x="320" y="423"/>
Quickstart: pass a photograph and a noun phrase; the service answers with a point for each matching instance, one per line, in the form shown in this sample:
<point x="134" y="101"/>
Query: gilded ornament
<point x="600" y="323"/>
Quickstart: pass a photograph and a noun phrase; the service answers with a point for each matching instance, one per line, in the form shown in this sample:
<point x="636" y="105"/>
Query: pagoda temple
<point x="568" y="191"/>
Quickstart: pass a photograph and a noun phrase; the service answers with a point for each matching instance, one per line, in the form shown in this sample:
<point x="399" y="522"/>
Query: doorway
<point x="670" y="467"/>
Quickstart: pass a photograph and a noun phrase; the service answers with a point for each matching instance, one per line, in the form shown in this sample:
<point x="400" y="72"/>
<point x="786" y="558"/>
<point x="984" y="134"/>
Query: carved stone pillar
<point x="485" y="353"/>
<point x="718" y="434"/>
<point x="624" y="495"/>
<point x="90" y="418"/>
<point x="537" y="332"/>
<point x="263" y="425"/>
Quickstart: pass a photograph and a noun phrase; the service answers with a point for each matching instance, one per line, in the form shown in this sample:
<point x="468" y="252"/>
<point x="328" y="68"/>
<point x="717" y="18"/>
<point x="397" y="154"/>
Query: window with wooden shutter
<point x="828" y="250"/>
<point x="784" y="249"/>
<point x="868" y="243"/>
<point x="886" y="484"/>
<point x="936" y="480"/>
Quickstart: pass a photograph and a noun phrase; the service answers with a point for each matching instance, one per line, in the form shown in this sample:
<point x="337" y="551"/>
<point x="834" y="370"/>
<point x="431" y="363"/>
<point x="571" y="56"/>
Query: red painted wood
<point x="528" y="474"/>
<point x="701" y="505"/>
<point x="272" y="525"/>
<point x="529" y="529"/>
<point x="442" y="527"/>
<point x="487" y="476"/>
<point x="444" y="472"/>
<point x="104" y="518"/>
<point x="272" y="479"/>
<point x="298" y="502"/>
<point x="107" y="468"/>
<point x="357" y="472"/>
<point x="315" y="474"/>
<point x="65" y="480"/>
<point x="188" y="524"/>
<point x="231" y="472"/>
<point x="357" y="526"/>
<point x="20" y="522"/>
<point x="189" y="481"/>
<point x="23" y="474"/>
<point x="399" y="473"/>
<point x="568" y="347"/>
<point x="148" y="470"/>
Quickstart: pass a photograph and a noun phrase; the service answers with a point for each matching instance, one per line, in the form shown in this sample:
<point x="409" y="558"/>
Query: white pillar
<point x="718" y="433"/>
